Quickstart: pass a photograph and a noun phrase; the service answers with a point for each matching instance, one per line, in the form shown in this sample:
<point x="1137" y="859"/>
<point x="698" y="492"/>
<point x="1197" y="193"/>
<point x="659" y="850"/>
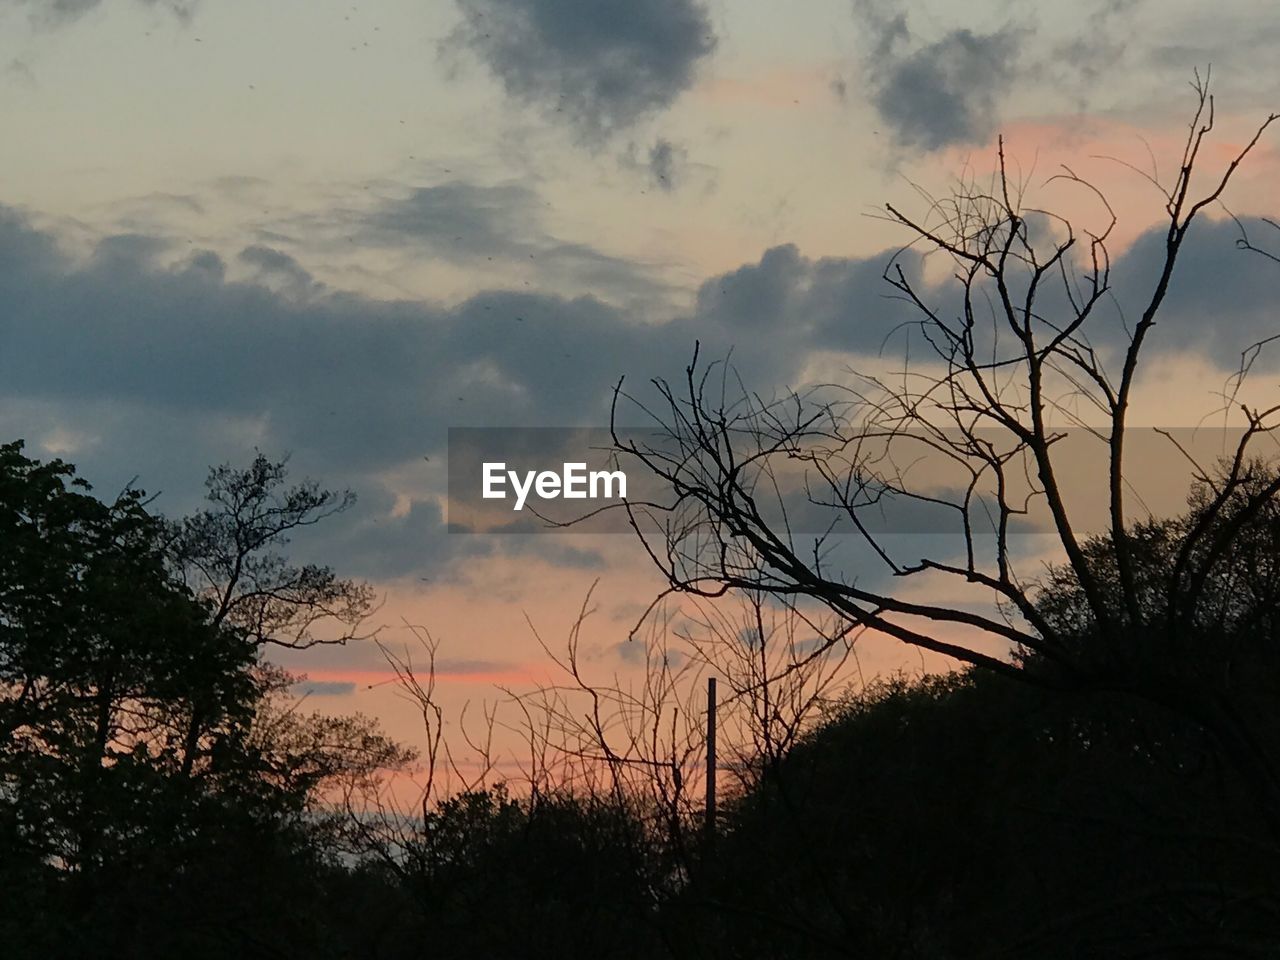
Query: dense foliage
<point x="159" y="798"/>
<point x="155" y="793"/>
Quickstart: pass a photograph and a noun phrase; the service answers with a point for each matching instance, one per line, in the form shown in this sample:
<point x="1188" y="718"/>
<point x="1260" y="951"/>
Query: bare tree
<point x="228" y="555"/>
<point x="631" y="741"/>
<point x="1025" y="342"/>
<point x="781" y="670"/>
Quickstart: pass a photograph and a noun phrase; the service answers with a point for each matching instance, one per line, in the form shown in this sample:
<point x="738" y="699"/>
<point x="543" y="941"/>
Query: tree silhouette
<point x="973" y="814"/>
<point x="113" y="827"/>
<point x="1013" y="357"/>
<point x="1099" y="780"/>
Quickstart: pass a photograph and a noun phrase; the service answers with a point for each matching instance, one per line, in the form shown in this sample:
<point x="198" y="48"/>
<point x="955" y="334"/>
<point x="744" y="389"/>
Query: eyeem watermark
<point x="573" y="482"/>
<point x="577" y="480"/>
<point x="523" y="480"/>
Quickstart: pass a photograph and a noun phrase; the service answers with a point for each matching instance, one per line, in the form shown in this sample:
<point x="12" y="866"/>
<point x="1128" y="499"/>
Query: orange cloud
<point x="1116" y="156"/>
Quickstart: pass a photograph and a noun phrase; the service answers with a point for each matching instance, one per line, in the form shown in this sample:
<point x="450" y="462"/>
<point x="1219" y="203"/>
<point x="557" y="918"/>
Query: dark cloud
<point x="947" y="92"/>
<point x="61" y="11"/>
<point x="938" y="93"/>
<point x="664" y="165"/>
<point x="832" y="303"/>
<point x="460" y="220"/>
<point x="1230" y="37"/>
<point x="275" y="267"/>
<point x="131" y="363"/>
<point x="324" y="688"/>
<point x="947" y="86"/>
<point x="599" y="66"/>
<point x="756" y="295"/>
<point x="503" y="224"/>
<point x="799" y="304"/>
<point x="379" y="544"/>
<point x="1221" y="298"/>
<point x="665" y="159"/>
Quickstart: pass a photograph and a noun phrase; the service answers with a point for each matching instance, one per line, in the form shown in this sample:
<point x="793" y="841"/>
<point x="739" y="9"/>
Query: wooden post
<point x="710" y="822"/>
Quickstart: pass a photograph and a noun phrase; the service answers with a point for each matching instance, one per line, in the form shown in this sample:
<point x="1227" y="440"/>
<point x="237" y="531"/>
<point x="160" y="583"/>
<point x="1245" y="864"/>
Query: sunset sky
<point x="336" y="229"/>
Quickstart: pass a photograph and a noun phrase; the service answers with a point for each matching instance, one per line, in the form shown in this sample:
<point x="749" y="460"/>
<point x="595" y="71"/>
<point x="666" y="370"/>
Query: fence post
<point x="710" y="813"/>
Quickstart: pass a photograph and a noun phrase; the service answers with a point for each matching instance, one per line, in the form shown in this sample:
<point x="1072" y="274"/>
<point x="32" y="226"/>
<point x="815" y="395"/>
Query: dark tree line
<point x="968" y="815"/>
<point x="978" y="815"/>
<point x="156" y="790"/>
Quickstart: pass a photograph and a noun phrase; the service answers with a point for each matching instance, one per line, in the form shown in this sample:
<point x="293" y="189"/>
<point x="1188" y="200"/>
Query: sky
<point x="334" y="230"/>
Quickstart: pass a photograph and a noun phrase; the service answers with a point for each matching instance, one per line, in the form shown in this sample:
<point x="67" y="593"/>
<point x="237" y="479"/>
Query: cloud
<point x="599" y="67"/>
<point x="138" y="361"/>
<point x="949" y="85"/>
<point x="939" y="93"/>
<point x="947" y="92"/>
<point x="793" y="301"/>
<point x="1083" y="59"/>
<point x="324" y="688"/>
<point x="664" y="165"/>
<point x="460" y="219"/>
<point x="276" y="267"/>
<point x="502" y="224"/>
<point x="799" y="305"/>
<point x="1221" y="299"/>
<point x="63" y="11"/>
<point x="665" y="159"/>
<point x="1229" y="38"/>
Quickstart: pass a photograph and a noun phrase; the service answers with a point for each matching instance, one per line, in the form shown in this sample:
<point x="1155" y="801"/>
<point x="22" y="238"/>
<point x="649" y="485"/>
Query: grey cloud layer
<point x="599" y="66"/>
<point x="468" y="223"/>
<point x="171" y="366"/>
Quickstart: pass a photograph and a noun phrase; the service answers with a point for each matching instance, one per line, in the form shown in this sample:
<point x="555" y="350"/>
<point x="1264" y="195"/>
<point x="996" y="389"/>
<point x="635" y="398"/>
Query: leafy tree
<point x="549" y="876"/>
<point x="1203" y="644"/>
<point x="102" y="657"/>
<point x="975" y="815"/>
<point x="114" y="827"/>
<point x="970" y="816"/>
